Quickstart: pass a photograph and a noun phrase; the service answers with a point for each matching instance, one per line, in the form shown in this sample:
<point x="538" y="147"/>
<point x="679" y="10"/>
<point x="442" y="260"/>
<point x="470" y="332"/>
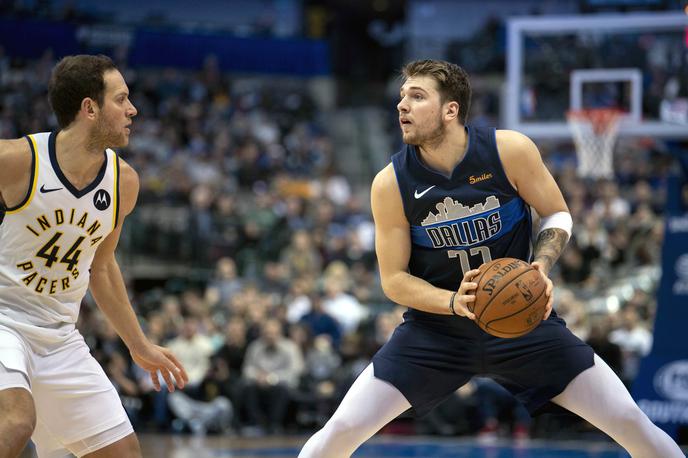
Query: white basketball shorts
<point x="74" y="399"/>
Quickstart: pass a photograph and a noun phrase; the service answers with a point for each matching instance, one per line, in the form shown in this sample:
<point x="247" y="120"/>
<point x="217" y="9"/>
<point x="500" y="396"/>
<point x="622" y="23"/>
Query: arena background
<point x="260" y="127"/>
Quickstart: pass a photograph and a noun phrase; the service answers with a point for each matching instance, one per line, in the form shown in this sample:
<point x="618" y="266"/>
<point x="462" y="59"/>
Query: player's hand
<point x="466" y="294"/>
<point x="548" y="291"/>
<point x="154" y="359"/>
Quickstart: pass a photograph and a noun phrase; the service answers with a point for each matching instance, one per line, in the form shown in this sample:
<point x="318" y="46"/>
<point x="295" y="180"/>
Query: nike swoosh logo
<point x="418" y="195"/>
<point x="44" y="190"/>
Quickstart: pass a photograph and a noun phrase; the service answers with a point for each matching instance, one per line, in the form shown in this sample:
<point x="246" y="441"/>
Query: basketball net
<point x="594" y="134"/>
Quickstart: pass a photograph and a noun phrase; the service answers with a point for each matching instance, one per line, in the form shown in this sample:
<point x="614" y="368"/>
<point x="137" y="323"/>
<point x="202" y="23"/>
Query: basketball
<point x="510" y="298"/>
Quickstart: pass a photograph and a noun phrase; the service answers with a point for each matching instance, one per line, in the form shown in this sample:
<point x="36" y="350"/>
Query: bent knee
<point x="18" y="423"/>
<point x="332" y="441"/>
<point x="127" y="447"/>
<point x="631" y="419"/>
<point x="345" y="433"/>
<point x="19" y="430"/>
<point x="340" y="426"/>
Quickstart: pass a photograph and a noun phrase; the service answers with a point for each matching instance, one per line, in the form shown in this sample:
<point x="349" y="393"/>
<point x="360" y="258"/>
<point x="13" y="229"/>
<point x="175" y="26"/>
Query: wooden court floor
<point x="386" y="446"/>
<point x="186" y="446"/>
<point x="157" y="446"/>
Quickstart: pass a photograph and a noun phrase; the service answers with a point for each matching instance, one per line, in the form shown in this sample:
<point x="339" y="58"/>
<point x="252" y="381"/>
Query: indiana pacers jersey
<point x="458" y="222"/>
<point x="47" y="244"/>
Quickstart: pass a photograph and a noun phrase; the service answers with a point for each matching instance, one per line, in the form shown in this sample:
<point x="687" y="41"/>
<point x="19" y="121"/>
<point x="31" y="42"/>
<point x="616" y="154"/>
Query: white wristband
<point x="559" y="220"/>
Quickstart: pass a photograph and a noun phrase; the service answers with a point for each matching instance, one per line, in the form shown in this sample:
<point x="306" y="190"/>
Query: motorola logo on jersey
<point x="101" y="199"/>
<point x="464" y="226"/>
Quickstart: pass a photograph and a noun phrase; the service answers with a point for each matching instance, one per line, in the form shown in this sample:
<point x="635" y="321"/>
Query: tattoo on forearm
<point x="549" y="245"/>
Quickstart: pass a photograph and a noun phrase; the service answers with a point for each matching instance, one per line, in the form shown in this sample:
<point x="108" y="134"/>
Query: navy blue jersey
<point x="458" y="222"/>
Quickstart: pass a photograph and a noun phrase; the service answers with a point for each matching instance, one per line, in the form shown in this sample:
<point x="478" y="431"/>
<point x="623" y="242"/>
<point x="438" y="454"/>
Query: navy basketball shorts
<point x="430" y="356"/>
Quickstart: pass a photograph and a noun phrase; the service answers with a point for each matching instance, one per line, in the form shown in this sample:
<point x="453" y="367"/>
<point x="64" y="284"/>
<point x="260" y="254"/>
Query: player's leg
<point x="369" y="404"/>
<point x="127" y="446"/>
<point x="598" y="396"/>
<point x="18" y="418"/>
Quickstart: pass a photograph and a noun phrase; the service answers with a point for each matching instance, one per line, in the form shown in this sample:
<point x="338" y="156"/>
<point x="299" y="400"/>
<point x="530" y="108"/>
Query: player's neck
<point x="78" y="159"/>
<point x="444" y="154"/>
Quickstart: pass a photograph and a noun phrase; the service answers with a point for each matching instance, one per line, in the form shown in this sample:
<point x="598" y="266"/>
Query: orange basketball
<point x="510" y="298"/>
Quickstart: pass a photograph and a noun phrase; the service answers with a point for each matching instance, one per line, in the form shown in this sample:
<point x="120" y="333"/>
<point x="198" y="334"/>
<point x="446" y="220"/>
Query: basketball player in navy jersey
<point x="63" y="198"/>
<point x="453" y="198"/>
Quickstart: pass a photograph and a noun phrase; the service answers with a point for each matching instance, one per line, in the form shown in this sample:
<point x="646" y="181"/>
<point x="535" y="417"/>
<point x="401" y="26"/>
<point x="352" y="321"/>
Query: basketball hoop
<point x="594" y="133"/>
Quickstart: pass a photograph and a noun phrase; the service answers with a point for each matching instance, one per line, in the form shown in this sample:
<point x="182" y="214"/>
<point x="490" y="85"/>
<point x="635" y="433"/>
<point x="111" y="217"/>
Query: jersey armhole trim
<point x="116" y="199"/>
<point x="32" y="181"/>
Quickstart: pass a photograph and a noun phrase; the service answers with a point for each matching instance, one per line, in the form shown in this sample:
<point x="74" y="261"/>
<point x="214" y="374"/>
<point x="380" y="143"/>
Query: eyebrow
<point x="417" y="88"/>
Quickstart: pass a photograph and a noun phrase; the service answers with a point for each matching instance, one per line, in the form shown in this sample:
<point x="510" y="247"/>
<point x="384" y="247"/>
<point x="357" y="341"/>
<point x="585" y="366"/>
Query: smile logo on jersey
<point x="457" y="225"/>
<point x="101" y="199"/>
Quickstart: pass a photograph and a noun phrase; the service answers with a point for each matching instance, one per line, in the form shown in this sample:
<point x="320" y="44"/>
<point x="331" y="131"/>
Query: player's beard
<point x="104" y="136"/>
<point x="431" y="135"/>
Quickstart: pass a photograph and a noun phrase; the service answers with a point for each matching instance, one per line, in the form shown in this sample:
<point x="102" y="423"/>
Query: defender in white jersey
<point x="63" y="198"/>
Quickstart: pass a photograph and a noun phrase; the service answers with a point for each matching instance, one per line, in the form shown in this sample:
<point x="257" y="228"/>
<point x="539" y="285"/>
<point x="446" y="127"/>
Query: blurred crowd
<point x="239" y="182"/>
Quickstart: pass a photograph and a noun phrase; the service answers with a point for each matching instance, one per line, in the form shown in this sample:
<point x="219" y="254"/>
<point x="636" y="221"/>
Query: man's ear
<point x="89" y="108"/>
<point x="452" y="110"/>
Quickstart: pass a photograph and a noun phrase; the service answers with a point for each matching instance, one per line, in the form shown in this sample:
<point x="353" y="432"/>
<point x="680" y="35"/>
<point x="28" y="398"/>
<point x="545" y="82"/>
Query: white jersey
<point x="47" y="244"/>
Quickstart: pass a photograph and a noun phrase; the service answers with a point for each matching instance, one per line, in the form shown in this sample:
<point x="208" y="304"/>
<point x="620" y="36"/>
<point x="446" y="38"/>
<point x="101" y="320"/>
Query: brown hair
<point x="73" y="79"/>
<point x="452" y="81"/>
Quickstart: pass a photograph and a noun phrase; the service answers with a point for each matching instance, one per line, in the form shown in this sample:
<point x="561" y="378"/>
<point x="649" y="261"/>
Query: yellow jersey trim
<point x="116" y="193"/>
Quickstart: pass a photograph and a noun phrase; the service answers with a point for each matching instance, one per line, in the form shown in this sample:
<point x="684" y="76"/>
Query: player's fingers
<point x="468" y="286"/>
<point x="468" y="276"/>
<point x="462" y="308"/>
<point x="178" y="370"/>
<point x="155" y="380"/>
<point x="178" y="377"/>
<point x="467" y="313"/>
<point x="548" y="309"/>
<point x="466" y="298"/>
<point x="168" y="379"/>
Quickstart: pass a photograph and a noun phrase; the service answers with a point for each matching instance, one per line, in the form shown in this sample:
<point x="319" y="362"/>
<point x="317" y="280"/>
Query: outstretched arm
<point x="108" y="289"/>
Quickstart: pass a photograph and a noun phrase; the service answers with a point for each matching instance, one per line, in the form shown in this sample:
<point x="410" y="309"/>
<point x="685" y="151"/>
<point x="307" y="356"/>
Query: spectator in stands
<point x="635" y="341"/>
<point x="225" y="284"/>
<point x="300" y="257"/>
<point x="320" y="322"/>
<point x="598" y="339"/>
<point x="193" y="350"/>
<point x="338" y="303"/>
<point x="272" y="368"/>
<point x="224" y="376"/>
<point x="298" y="299"/>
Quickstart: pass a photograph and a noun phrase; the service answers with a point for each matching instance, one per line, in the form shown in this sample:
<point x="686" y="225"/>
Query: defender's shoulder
<point x="15" y="159"/>
<point x="127" y="175"/>
<point x="128" y="186"/>
<point x="17" y="149"/>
